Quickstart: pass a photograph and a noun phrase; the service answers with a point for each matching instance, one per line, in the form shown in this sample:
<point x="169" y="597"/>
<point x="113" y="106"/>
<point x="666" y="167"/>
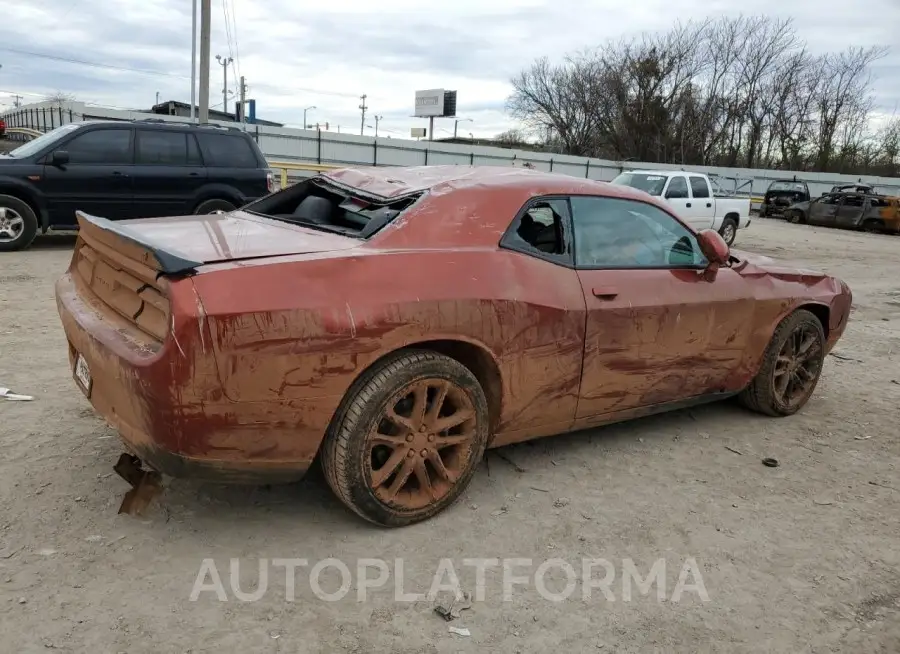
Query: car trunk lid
<point x="180" y="245"/>
<point x="124" y="268"/>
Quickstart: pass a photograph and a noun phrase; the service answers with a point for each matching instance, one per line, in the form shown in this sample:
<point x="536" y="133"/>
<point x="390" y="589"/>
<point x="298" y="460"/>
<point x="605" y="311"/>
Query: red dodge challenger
<point x="395" y="322"/>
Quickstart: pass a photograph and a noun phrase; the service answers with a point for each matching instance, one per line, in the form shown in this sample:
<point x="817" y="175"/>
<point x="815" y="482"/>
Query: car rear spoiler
<point x="164" y="259"/>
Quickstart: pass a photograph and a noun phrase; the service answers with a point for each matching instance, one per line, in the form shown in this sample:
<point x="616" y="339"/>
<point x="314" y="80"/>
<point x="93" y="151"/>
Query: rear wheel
<point x="790" y="369"/>
<point x="407" y="438"/>
<point x="873" y="226"/>
<point x="728" y="230"/>
<point x="214" y="206"/>
<point x="18" y="224"/>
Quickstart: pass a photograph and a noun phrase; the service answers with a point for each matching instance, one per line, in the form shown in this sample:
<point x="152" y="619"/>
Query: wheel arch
<point x="471" y="354"/>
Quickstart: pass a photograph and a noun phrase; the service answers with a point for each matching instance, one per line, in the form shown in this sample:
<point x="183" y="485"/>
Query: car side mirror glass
<point x="713" y="247"/>
<point x="59" y="158"/>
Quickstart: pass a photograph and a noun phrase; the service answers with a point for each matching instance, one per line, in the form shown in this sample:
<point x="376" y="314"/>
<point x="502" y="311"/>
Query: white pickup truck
<point x="691" y="195"/>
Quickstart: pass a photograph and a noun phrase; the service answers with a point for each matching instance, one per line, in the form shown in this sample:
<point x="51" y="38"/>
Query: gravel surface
<point x="803" y="557"/>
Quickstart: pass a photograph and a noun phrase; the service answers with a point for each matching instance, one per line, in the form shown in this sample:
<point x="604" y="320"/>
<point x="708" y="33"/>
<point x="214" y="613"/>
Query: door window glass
<point x="618" y="233"/>
<point x="100" y="146"/>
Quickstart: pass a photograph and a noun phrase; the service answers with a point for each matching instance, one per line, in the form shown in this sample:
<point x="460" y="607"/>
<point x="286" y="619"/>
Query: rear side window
<point x="699" y="187"/>
<point x="227" y="151"/>
<point x="100" y="146"/>
<point x="164" y="148"/>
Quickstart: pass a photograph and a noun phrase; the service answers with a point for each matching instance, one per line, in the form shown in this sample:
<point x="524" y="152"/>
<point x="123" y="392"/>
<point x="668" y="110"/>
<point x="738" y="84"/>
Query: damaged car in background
<point x="781" y="194"/>
<point x="393" y="323"/>
<point x="867" y="212"/>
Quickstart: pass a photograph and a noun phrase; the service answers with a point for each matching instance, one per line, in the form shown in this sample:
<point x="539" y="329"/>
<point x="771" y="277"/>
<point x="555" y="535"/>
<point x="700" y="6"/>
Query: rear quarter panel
<point x="305" y="328"/>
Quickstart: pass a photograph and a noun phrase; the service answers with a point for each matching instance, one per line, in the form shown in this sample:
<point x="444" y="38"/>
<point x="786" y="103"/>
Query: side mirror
<point x="713" y="247"/>
<point x="59" y="158"/>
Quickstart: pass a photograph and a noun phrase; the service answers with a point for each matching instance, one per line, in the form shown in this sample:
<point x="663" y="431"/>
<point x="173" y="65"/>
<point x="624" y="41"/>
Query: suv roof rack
<point x="163" y="121"/>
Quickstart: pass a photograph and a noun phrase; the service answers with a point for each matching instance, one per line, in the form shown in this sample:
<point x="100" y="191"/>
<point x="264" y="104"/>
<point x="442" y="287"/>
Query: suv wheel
<point x="18" y="224"/>
<point x="214" y="206"/>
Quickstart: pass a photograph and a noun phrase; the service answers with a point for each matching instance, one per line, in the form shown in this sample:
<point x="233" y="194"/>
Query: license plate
<point x="83" y="375"/>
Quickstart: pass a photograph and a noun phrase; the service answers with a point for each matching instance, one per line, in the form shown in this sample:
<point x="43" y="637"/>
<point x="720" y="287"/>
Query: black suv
<point x="126" y="169"/>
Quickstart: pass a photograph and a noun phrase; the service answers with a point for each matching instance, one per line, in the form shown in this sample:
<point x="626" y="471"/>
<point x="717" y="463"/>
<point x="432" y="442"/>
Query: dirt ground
<point x="799" y="558"/>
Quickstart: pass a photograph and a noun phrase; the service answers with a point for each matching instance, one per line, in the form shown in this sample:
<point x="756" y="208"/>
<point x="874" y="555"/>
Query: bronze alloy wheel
<point x="417" y="450"/>
<point x="406" y="439"/>
<point x="797" y="366"/>
<point x="790" y="367"/>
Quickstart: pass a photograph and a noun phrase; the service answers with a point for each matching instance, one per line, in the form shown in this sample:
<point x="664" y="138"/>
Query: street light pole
<point x="304" y="115"/>
<point x="458" y="121"/>
<point x="377" y="120"/>
<point x="224" y="61"/>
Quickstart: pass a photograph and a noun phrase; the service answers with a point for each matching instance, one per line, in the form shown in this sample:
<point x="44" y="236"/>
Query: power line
<point x="93" y="64"/>
<point x="156" y="73"/>
<point x="237" y="50"/>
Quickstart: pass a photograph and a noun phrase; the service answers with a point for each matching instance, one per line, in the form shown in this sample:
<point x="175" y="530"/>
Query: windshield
<point x="652" y="184"/>
<point x="42" y="141"/>
<point x="786" y="186"/>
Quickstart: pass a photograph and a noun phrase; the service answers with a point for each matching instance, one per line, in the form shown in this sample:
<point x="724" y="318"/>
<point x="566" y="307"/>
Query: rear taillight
<point x="270" y="181"/>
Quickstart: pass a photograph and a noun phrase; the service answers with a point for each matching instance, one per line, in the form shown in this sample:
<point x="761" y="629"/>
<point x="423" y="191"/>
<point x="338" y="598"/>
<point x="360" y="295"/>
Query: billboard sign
<point x="429" y="103"/>
<point x="418" y="132"/>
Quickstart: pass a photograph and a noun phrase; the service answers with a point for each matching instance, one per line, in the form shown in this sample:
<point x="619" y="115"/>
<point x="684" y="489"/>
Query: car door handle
<point x="708" y="204"/>
<point x="688" y="205"/>
<point x="605" y="292"/>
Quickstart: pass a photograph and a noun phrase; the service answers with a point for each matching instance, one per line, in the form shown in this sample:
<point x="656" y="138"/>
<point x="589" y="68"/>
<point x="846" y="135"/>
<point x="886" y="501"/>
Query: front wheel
<point x="795" y="217"/>
<point x="214" y="206"/>
<point x="790" y="369"/>
<point x="406" y="440"/>
<point x="728" y="230"/>
<point x="18" y="224"/>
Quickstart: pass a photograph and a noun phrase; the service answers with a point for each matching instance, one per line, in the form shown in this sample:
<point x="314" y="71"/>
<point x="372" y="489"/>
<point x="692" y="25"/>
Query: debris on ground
<point x="771" y="463"/>
<point x="459" y="631"/>
<point x="9" y="552"/>
<point x="863" y="438"/>
<point x="502" y="510"/>
<point x="542" y="490"/>
<point x="515" y="465"/>
<point x="14" y="397"/>
<point x="561" y="502"/>
<point x="844" y="358"/>
<point x="450" y="606"/>
<point x="731" y="449"/>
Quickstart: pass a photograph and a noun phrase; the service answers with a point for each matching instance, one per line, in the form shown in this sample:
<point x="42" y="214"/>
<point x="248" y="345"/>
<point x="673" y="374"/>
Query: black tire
<point x="14" y="211"/>
<point x="728" y="230"/>
<point x="762" y="394"/>
<point x="214" y="206"/>
<point x="348" y="451"/>
<point x="873" y="226"/>
<point x="795" y="217"/>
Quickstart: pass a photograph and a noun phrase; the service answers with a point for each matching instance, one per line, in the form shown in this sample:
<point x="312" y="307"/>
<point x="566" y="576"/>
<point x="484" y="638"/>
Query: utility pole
<point x="224" y="61"/>
<point x="458" y="121"/>
<point x="243" y="111"/>
<point x="205" y="20"/>
<point x="157" y="97"/>
<point x="362" y="123"/>
<point x="377" y="120"/>
<point x="193" y="60"/>
<point x="17" y="101"/>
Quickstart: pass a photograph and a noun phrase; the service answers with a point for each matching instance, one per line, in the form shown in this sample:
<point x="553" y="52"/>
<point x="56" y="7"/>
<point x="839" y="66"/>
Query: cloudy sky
<point x="327" y="53"/>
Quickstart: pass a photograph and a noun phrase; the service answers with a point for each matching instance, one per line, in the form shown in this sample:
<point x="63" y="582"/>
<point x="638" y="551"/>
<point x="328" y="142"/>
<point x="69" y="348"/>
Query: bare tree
<point x="732" y="91"/>
<point x="59" y="98"/>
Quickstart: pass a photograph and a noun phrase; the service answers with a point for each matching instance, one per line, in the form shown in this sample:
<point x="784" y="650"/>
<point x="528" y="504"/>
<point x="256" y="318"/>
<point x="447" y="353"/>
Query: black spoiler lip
<point x="168" y="259"/>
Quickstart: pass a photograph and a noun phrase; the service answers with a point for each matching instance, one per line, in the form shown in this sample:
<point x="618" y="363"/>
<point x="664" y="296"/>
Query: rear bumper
<point x="168" y="407"/>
